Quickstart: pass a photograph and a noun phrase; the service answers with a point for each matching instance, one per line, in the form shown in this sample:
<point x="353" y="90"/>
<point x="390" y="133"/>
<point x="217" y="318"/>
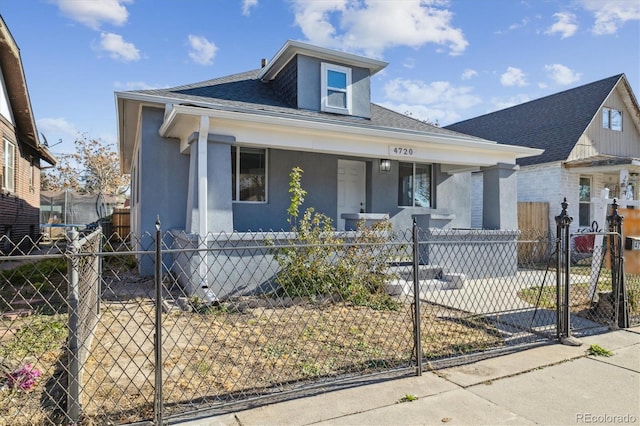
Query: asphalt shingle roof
<point x="246" y="92"/>
<point x="553" y="123"/>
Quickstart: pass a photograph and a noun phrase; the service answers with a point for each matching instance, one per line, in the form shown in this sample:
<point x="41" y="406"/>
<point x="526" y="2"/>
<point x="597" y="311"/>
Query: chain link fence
<point x="186" y="325"/>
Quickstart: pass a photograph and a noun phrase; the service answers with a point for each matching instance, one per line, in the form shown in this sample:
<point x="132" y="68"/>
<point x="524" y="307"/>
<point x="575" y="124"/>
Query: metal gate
<point x="591" y="292"/>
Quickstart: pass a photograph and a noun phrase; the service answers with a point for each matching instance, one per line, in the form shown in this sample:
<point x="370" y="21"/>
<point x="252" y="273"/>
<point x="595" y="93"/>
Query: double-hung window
<point x="584" y="201"/>
<point x="612" y="119"/>
<point x="415" y="185"/>
<point x="336" y="89"/>
<point x="8" y="166"/>
<point x="248" y="174"/>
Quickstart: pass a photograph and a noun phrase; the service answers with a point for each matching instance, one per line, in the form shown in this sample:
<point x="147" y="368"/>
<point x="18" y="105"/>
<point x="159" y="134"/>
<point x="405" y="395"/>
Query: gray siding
<point x="320" y="181"/>
<point x="309" y="86"/>
<point x="286" y="84"/>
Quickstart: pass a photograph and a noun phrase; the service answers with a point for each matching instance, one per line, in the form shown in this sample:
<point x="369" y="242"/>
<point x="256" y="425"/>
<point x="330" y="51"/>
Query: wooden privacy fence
<point x="533" y="222"/>
<point x="120" y="222"/>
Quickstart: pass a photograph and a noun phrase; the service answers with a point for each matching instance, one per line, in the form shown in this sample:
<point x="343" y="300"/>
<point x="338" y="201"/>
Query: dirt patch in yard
<point x="229" y="352"/>
<point x="254" y="347"/>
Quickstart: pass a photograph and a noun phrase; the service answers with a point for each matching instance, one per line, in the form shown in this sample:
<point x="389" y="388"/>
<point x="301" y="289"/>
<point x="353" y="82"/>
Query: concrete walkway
<point x="550" y="385"/>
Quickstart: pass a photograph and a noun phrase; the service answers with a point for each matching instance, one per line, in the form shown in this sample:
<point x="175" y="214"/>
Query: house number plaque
<point x="401" y="151"/>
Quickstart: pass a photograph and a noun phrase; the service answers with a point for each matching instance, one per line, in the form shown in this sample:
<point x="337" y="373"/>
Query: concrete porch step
<point x="430" y="277"/>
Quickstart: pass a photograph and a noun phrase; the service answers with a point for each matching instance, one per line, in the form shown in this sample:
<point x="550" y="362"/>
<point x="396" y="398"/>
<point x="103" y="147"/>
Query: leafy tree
<point x="92" y="169"/>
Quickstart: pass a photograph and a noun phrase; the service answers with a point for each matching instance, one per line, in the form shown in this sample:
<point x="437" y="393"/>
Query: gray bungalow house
<point x="591" y="141"/>
<point x="215" y="156"/>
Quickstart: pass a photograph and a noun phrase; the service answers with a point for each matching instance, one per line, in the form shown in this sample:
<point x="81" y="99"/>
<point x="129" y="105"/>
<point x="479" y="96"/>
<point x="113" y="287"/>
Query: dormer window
<point x="336" y="89"/>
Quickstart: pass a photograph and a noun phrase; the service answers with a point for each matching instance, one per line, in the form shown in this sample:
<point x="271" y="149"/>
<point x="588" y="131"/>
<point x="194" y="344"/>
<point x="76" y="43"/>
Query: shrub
<point x="322" y="263"/>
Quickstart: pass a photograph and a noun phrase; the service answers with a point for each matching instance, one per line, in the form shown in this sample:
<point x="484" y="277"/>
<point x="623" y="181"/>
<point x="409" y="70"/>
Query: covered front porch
<point x="347" y="171"/>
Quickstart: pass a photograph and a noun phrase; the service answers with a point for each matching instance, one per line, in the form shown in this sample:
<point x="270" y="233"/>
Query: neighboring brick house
<point x="591" y="140"/>
<point x="21" y="153"/>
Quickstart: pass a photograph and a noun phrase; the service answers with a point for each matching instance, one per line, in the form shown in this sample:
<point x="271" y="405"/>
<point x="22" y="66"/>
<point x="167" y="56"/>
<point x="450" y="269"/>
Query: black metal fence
<point x="241" y="318"/>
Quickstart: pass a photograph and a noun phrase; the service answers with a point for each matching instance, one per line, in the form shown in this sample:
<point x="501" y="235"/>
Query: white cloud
<point x="518" y="25"/>
<point x="118" y="48"/>
<point x="437" y="116"/>
<point x="562" y="75"/>
<point x="371" y="26"/>
<point x="611" y="14"/>
<point x="57" y="126"/>
<point x="513" y="77"/>
<point x="429" y="101"/>
<point x="502" y="103"/>
<point x="468" y="74"/>
<point x="247" y="5"/>
<point x="409" y="63"/>
<point x="93" y="13"/>
<point x="202" y="51"/>
<point x="59" y="133"/>
<point x="565" y="25"/>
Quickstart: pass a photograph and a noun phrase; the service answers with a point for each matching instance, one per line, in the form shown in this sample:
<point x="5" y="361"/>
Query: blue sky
<point x="448" y="59"/>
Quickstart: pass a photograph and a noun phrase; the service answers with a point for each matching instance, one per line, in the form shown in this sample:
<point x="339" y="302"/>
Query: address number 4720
<point x="403" y="151"/>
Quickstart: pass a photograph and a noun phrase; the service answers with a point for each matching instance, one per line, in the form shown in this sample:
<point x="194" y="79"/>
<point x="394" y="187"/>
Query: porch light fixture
<point x="385" y="165"/>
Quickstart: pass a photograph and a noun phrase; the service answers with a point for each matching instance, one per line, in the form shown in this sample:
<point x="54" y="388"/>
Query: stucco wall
<point x="320" y="181"/>
<point x="163" y="178"/>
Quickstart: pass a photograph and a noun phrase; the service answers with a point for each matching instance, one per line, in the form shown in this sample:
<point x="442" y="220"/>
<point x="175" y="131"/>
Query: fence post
<point x="158" y="405"/>
<point x="618" y="285"/>
<point x="416" y="300"/>
<point x="563" y="303"/>
<point x="100" y="259"/>
<point x="73" y="300"/>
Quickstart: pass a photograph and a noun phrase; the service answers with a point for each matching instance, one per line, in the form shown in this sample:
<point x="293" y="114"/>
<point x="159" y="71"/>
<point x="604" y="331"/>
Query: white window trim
<point x="324" y="69"/>
<point x="235" y="198"/>
<point x="10" y="167"/>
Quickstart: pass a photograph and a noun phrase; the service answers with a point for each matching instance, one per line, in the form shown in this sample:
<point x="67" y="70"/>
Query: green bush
<point x="322" y="263"/>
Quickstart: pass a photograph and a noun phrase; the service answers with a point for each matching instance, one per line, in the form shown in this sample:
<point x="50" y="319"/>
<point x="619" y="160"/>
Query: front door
<point x="351" y="188"/>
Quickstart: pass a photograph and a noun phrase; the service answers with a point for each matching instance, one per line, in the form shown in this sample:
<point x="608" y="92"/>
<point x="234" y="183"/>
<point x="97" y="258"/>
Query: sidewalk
<point x="550" y="385"/>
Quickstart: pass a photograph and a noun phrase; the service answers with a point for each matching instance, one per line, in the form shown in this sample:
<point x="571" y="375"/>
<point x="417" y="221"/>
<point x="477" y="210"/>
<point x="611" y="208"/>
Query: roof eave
<point x="291" y="48"/>
<point x="18" y="93"/>
<point x="458" y="141"/>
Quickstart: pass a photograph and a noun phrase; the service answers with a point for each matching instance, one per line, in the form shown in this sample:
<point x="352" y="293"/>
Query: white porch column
<point x="600" y="216"/>
<point x="626" y="192"/>
<point x="203" y="224"/>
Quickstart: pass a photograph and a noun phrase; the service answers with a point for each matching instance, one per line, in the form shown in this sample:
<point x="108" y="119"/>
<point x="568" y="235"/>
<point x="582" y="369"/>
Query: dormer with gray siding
<point x="317" y="79"/>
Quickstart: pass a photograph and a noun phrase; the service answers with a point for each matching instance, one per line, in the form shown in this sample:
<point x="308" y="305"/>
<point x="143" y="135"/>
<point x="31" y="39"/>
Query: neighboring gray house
<point x="591" y="141"/>
<point x="230" y="143"/>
